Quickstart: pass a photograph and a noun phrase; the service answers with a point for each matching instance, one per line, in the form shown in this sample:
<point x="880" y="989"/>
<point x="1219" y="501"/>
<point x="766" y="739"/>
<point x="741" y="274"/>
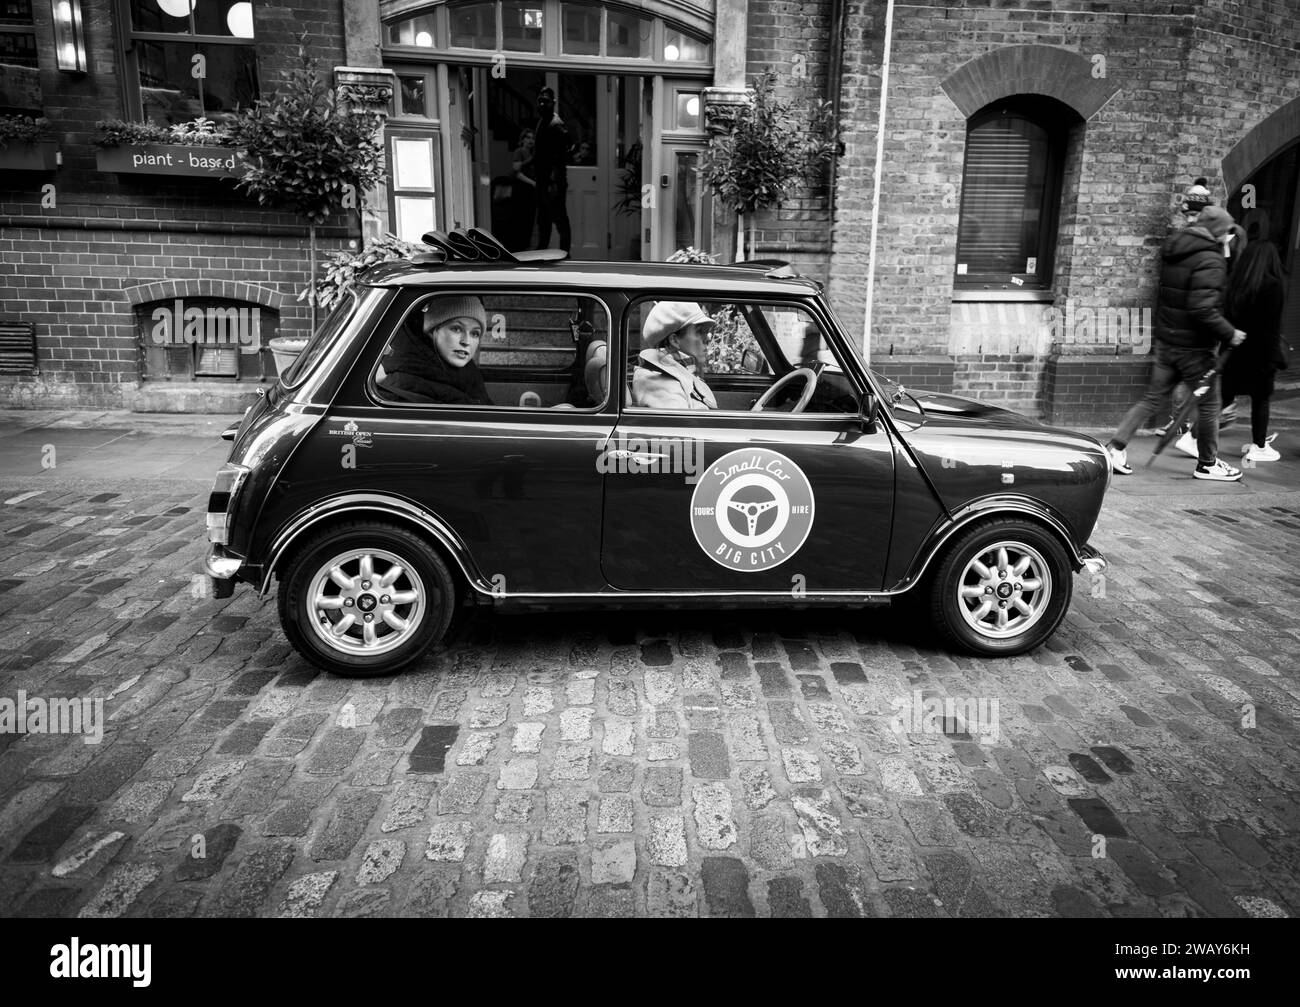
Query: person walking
<point x="1256" y="295"/>
<point x="551" y="170"/>
<point x="1189" y="327"/>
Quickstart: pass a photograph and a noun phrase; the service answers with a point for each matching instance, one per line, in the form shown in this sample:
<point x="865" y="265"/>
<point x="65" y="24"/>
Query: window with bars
<point x="188" y="338"/>
<point x="1011" y="191"/>
<point x="187" y="59"/>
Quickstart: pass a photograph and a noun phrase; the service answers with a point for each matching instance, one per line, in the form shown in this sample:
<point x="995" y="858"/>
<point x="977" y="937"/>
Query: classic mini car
<point x="465" y="429"/>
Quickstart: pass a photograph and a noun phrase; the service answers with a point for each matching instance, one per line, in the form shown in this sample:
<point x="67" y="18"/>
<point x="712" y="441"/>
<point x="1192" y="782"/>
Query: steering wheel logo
<point x="752" y="510"/>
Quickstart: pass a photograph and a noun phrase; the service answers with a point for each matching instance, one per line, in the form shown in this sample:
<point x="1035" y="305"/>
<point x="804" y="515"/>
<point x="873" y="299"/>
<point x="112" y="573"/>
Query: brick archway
<point x="1028" y="69"/>
<point x="1265" y="141"/>
<point x="232" y="290"/>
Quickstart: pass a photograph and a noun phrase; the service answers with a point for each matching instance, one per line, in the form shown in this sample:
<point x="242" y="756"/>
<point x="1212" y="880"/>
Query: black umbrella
<point x="1202" y="388"/>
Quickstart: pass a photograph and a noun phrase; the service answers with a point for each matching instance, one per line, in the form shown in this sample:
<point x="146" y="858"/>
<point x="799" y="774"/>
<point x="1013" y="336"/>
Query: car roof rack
<point x="473" y="245"/>
<point x="773" y="269"/>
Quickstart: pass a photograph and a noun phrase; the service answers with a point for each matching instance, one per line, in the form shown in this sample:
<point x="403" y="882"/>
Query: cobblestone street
<point x="1145" y="763"/>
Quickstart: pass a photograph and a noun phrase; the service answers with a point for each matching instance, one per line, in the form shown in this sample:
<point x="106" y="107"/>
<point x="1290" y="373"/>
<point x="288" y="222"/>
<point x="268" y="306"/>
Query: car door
<point x="733" y="501"/>
<point x="516" y="480"/>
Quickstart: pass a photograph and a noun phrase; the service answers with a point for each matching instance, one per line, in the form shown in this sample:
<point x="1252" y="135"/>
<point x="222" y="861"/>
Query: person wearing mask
<point x="435" y="359"/>
<point x="551" y="166"/>
<point x="1256" y="295"/>
<point x="1189" y="327"/>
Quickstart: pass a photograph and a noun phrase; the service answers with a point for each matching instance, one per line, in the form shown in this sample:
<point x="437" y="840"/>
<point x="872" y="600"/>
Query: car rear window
<point x="320" y="343"/>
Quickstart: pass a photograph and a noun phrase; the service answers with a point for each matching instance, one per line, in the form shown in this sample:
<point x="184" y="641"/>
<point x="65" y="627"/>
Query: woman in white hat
<point x="440" y="364"/>
<point x="666" y="370"/>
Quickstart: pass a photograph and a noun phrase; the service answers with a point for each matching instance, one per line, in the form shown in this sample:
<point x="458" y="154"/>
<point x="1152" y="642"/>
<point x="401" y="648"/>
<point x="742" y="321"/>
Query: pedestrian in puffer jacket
<point x="1189" y="327"/>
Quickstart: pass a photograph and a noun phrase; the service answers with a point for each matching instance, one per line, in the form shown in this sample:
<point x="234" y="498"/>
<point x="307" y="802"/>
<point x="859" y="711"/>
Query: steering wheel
<point x="810" y="382"/>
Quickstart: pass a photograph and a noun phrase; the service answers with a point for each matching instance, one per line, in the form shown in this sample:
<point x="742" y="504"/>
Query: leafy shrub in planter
<point x="200" y="132"/>
<point x="342" y="269"/>
<point x="23" y="129"/>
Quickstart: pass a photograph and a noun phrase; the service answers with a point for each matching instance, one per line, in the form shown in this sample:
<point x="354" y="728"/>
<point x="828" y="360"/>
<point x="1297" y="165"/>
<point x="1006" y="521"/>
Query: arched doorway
<point x="1265" y="205"/>
<point x="629" y="81"/>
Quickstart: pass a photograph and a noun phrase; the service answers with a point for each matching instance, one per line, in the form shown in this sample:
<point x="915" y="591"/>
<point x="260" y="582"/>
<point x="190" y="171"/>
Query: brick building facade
<point x="1116" y="105"/>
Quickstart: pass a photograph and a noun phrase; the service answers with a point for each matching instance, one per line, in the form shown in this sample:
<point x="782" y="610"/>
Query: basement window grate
<point x="17" y="347"/>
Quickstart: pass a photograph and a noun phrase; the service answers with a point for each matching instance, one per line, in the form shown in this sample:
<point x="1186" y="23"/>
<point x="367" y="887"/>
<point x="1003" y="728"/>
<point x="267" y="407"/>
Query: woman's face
<point x="690" y="340"/>
<point x="457" y="340"/>
<point x="526" y="139"/>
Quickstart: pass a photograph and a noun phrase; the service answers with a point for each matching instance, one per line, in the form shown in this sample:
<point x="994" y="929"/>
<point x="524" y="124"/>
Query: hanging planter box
<point x="172" y="160"/>
<point x="17" y="156"/>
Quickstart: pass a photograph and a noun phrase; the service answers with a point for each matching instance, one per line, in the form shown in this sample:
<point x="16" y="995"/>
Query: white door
<point x="586" y="104"/>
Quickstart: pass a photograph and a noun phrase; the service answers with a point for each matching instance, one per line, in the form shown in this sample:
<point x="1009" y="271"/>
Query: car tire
<point x="1001" y="588"/>
<point x="323" y="587"/>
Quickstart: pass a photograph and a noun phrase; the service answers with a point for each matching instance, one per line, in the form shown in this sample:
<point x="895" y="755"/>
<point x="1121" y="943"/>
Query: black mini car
<point x="525" y="434"/>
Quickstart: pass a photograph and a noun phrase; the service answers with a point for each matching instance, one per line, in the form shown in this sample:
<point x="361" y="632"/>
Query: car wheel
<point x="1002" y="588"/>
<point x="365" y="599"/>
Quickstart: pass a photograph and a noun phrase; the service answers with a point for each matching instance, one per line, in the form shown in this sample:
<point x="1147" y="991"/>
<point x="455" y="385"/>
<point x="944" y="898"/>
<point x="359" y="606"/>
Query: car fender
<point x="385" y="507"/>
<point x="1001" y="505"/>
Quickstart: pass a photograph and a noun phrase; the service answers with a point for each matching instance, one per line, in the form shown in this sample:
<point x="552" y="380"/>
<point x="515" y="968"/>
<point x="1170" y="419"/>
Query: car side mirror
<point x="752" y="362"/>
<point x="870" y="405"/>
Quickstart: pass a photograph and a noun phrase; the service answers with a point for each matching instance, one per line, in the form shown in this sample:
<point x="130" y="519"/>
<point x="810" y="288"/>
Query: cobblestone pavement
<point x="731" y="764"/>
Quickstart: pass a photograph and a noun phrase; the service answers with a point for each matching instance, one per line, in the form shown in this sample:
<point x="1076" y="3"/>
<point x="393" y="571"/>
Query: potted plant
<point x="306" y="154"/>
<point x="198" y="149"/>
<point x="754" y="166"/>
<point x="26" y="144"/>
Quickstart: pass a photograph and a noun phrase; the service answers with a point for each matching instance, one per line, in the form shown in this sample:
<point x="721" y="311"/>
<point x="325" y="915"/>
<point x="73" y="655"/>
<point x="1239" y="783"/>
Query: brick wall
<point x="66" y="266"/>
<point x="1190" y="80"/>
<point x="792" y="38"/>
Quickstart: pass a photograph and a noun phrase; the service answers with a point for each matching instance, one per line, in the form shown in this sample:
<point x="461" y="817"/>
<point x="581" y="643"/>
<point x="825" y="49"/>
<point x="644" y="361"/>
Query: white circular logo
<point x="752" y="510"/>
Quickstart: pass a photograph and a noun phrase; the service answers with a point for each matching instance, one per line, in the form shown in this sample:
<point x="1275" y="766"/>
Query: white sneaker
<point x="1261" y="452"/>
<point x="1119" y="461"/>
<point x="1187" y="445"/>
<point x="1220" y="471"/>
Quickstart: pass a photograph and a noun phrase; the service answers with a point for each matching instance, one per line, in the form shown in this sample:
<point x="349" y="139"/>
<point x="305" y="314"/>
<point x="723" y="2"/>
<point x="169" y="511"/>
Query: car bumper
<point x="222" y="570"/>
<point x="1093" y="561"/>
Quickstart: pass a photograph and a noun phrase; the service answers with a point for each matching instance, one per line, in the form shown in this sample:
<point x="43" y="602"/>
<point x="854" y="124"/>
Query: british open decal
<point x="752" y="510"/>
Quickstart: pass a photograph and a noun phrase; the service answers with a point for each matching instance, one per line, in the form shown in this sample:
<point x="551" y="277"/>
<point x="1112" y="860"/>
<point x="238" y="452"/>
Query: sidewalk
<point x="114" y="445"/>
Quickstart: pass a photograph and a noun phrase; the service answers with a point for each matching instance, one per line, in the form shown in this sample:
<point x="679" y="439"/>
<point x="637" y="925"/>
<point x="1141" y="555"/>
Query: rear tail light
<point x="221" y="502"/>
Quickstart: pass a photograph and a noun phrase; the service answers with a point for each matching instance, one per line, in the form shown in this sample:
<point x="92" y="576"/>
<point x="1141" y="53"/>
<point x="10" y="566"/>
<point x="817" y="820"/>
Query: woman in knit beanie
<point x="439" y="364"/>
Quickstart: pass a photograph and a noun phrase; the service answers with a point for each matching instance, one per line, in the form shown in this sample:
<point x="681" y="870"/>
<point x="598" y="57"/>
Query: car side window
<point x="725" y="356"/>
<point x="518" y="350"/>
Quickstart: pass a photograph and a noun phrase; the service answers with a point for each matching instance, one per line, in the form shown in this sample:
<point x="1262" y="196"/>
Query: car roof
<point x="703" y="281"/>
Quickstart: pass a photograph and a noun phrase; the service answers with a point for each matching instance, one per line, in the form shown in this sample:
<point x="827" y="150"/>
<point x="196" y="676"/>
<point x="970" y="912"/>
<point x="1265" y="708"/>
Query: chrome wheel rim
<point x="366" y="602"/>
<point x="1004" y="590"/>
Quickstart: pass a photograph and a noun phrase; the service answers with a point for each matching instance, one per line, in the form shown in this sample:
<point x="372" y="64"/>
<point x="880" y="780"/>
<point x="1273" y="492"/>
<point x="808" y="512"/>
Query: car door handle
<point x="643" y="457"/>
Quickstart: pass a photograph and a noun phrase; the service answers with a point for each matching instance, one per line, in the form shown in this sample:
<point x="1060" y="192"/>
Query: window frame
<point x="830" y="336"/>
<point x="26" y="28"/>
<point x="127" y="37"/>
<point x="552" y="52"/>
<point x="403" y="313"/>
<point x="1047" y="117"/>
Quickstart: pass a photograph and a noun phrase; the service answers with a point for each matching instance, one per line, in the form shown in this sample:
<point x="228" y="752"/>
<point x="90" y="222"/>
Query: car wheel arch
<point x="383" y="509"/>
<point x="982" y="512"/>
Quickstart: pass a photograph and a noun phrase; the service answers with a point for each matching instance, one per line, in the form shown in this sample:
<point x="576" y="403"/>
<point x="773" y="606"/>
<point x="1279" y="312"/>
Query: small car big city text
<point x="476" y="428"/>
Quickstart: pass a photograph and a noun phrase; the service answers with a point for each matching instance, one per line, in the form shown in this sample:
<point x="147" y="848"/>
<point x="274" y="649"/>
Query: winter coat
<point x="1261" y="320"/>
<point x="551" y="154"/>
<point x="414" y="371"/>
<point x="1193" y="279"/>
<point x="661" y="382"/>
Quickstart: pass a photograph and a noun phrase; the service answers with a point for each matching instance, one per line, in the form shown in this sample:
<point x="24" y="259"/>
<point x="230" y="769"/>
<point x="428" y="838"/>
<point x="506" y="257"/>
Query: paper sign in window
<point x="412" y="164"/>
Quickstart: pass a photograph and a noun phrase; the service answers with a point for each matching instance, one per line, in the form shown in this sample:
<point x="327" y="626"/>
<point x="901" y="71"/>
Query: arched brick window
<point x="1011" y="192"/>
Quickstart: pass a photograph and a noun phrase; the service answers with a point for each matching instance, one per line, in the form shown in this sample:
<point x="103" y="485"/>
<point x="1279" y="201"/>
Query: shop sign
<point x="178" y="160"/>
